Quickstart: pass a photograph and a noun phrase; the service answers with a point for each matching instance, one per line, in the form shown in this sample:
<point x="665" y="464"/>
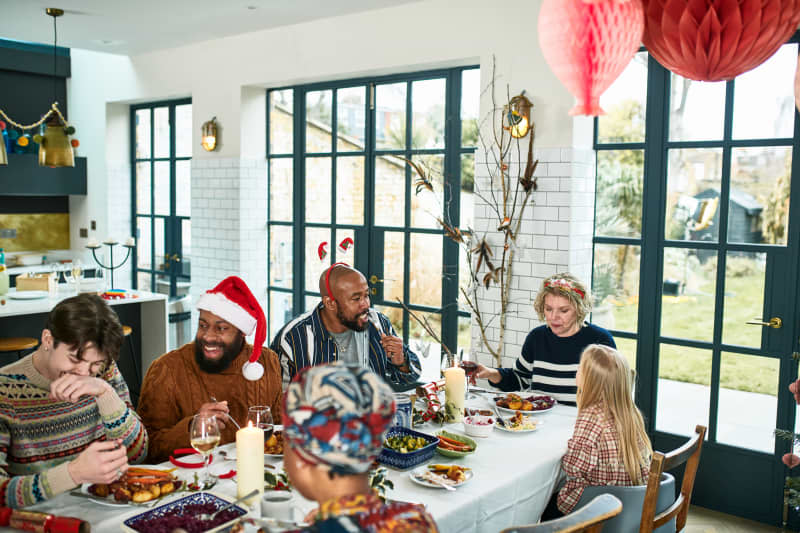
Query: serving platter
<point x="188" y="507"/>
<point x="526" y="411"/>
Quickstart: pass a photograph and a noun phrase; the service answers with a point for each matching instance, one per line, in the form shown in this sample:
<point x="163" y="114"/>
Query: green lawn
<point x="690" y="316"/>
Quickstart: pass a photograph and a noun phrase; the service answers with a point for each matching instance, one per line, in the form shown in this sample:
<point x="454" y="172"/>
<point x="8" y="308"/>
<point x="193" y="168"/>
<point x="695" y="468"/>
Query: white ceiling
<point x="137" y="26"/>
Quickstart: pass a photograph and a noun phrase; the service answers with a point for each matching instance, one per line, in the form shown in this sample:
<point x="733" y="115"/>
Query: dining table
<point x="514" y="475"/>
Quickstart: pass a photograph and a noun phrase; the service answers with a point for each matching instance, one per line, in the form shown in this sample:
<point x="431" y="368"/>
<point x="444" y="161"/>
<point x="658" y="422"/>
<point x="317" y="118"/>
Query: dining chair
<point x="588" y="519"/>
<point x="689" y="453"/>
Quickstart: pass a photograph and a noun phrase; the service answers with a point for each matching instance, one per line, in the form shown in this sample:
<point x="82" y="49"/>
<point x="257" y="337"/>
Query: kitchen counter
<point x="146" y="314"/>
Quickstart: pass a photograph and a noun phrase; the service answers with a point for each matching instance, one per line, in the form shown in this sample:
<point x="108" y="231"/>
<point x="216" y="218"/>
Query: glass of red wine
<point x="470" y="367"/>
<point x="261" y="417"/>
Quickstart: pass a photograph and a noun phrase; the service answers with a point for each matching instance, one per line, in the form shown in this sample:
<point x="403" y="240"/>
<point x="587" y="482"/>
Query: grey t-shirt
<point x="352" y="347"/>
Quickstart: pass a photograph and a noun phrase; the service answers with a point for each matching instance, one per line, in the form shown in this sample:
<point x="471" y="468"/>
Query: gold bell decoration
<point x="55" y="147"/>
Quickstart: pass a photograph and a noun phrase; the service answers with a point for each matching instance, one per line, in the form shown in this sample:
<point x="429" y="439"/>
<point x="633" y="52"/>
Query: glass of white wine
<point x="204" y="437"/>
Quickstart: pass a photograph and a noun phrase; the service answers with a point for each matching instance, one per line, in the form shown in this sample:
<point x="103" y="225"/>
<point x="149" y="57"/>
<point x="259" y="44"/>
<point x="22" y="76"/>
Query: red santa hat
<point x="233" y="302"/>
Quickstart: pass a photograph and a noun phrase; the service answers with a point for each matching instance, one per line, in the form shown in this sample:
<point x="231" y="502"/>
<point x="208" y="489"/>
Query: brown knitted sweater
<point x="174" y="388"/>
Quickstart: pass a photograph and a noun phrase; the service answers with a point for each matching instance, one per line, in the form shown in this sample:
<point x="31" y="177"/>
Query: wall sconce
<point x="518" y="116"/>
<point x="209" y="135"/>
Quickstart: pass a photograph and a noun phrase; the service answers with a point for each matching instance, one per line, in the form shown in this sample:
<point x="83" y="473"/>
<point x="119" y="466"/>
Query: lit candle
<point x="250" y="462"/>
<point x="130" y="241"/>
<point x="110" y="240"/>
<point x="93" y="243"/>
<point x="454" y="388"/>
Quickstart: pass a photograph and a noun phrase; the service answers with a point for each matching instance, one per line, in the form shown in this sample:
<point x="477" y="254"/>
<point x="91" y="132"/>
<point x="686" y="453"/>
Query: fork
<point x="235" y="423"/>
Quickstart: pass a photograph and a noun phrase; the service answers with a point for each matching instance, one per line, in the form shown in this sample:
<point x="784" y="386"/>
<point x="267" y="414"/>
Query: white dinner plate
<point x="28" y="295"/>
<point x="506" y="428"/>
<point x="416" y="477"/>
<point x="109" y="501"/>
<point x="532" y="412"/>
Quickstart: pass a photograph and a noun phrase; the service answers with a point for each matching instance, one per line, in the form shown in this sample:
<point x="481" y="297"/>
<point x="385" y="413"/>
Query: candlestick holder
<point x="111" y="267"/>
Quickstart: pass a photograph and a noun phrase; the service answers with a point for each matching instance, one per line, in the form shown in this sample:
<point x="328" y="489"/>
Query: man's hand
<point x="71" y="387"/>
<point x="394" y="349"/>
<point x="216" y="409"/>
<point x="100" y="462"/>
<point x="492" y="374"/>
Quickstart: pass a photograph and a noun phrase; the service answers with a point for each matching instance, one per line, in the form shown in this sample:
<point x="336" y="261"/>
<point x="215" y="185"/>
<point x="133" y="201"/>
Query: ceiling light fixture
<point x="55" y="146"/>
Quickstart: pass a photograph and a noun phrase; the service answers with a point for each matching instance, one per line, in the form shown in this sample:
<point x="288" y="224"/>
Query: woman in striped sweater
<point x="551" y="353"/>
<point x="65" y="411"/>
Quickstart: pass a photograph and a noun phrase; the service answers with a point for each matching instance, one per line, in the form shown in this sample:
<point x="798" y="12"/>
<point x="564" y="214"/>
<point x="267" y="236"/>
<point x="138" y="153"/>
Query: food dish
<point x="448" y="443"/>
<point x="273" y="447"/>
<point x="478" y="425"/>
<point x="137" y="485"/>
<point x="28" y="295"/>
<point x="434" y="475"/>
<point x="519" y="423"/>
<point x="511" y="403"/>
<point x="404" y="461"/>
<point x="182" y="514"/>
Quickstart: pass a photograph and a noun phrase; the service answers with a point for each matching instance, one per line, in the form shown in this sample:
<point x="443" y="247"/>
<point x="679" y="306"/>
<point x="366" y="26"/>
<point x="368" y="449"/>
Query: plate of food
<point x="137" y="486"/>
<point x="273" y="446"/>
<point x="519" y="423"/>
<point x="183" y="514"/>
<point x="511" y="403"/>
<point x="435" y="475"/>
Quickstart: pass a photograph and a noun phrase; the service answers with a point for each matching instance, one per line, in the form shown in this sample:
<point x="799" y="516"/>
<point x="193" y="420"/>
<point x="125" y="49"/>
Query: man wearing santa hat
<point x="218" y="373"/>
<point x="343" y="327"/>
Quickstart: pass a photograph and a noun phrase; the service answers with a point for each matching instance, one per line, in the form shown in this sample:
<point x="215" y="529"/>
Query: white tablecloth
<point x="514" y="478"/>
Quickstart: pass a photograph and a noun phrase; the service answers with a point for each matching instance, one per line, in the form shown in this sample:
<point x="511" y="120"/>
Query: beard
<point x="215" y="366"/>
<point x="351" y="322"/>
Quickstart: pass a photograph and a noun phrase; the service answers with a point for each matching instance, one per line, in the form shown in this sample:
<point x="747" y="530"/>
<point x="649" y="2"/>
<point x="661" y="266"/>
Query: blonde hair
<point x="570" y="287"/>
<point x="608" y="382"/>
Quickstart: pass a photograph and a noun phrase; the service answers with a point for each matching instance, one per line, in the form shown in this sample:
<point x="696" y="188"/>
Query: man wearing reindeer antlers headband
<point x="343" y="327"/>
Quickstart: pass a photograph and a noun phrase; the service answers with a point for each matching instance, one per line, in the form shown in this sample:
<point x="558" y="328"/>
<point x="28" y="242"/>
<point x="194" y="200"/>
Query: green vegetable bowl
<point x="460" y="438"/>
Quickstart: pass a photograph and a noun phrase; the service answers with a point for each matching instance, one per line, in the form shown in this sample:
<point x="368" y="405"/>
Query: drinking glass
<point x="261" y="417"/>
<point x="204" y="437"/>
<point x="470" y="367"/>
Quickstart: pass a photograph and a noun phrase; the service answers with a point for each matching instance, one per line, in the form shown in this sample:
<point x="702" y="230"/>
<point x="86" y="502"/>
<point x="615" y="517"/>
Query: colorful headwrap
<point x="337" y="416"/>
<point x="564" y="285"/>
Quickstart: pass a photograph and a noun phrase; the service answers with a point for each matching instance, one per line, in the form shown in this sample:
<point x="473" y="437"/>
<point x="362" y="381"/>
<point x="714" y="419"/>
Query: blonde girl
<point x="609" y="445"/>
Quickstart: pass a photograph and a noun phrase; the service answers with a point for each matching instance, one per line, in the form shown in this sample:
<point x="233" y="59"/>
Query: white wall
<point x="224" y="78"/>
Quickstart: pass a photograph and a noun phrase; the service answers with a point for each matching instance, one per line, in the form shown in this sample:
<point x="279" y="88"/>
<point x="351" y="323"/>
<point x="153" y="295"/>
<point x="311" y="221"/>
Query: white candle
<point x="454" y="392"/>
<point x="130" y="241"/>
<point x="110" y="240"/>
<point x="250" y="462"/>
<point x="93" y="243"/>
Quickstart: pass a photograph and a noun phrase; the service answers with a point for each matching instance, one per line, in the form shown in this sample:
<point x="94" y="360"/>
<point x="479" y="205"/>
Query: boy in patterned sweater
<point x="65" y="411"/>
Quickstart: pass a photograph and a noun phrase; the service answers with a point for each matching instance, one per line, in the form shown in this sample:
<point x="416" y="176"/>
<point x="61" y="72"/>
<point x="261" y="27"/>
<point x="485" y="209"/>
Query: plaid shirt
<point x="593" y="457"/>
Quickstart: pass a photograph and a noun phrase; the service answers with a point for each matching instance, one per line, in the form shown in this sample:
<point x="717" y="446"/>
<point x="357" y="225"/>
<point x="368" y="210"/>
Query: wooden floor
<point x="702" y="520"/>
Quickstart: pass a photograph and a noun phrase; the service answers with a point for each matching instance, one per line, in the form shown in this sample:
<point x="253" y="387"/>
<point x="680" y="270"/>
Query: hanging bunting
<point x="345" y="245"/>
<point x="322" y="250"/>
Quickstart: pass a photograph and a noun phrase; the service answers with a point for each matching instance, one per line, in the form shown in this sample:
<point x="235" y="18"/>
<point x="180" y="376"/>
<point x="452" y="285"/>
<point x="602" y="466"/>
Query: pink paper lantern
<point x="716" y="40"/>
<point x="588" y="43"/>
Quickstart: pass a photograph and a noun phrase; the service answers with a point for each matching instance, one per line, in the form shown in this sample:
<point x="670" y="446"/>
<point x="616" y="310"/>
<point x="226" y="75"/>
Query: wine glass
<point x="204" y="436"/>
<point x="261" y="417"/>
<point x="470" y="367"/>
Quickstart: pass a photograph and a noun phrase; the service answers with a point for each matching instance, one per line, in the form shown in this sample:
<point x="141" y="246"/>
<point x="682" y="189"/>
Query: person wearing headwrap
<point x="335" y="420"/>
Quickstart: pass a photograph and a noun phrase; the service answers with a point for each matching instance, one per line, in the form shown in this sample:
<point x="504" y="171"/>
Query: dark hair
<point x="84" y="319"/>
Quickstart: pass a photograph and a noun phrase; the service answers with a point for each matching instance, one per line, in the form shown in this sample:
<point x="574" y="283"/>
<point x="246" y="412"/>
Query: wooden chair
<point x="18" y="344"/>
<point x="689" y="453"/>
<point x="588" y="519"/>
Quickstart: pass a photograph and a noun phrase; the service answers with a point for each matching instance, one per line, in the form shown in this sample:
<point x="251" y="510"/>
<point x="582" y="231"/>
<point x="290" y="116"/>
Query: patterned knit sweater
<point x="40" y="436"/>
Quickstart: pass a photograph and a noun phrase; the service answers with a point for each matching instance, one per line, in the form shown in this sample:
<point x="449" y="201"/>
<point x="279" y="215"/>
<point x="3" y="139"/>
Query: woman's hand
<point x="100" y="462"/>
<point x="72" y="387"/>
<point x="492" y="374"/>
<point x="219" y="410"/>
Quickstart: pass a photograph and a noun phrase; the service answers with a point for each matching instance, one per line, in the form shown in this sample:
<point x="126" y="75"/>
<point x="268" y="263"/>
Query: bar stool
<point x="127" y="330"/>
<point x="17" y="344"/>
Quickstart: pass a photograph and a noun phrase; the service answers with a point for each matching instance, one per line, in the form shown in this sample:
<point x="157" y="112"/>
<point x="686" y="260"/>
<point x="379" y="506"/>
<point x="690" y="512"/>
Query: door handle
<point x="176" y="258"/>
<point x="375" y="279"/>
<point x="774" y="322"/>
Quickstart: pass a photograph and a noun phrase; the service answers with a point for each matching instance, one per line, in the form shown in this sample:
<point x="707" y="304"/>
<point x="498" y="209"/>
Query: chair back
<point x="588" y="519"/>
<point x="689" y="453"/>
<point x="632" y="499"/>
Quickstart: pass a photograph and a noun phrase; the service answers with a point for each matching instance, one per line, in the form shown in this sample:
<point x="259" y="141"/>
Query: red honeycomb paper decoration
<point x="588" y="43"/>
<point x="716" y="40"/>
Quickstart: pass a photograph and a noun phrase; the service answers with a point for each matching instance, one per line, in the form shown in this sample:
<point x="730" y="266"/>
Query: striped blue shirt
<point x="548" y="363"/>
<point x="304" y="341"/>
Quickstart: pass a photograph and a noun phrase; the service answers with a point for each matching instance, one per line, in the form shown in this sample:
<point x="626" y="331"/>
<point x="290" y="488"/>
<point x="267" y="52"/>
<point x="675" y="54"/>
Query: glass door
<point x="355" y="186"/>
<point x="161" y="159"/>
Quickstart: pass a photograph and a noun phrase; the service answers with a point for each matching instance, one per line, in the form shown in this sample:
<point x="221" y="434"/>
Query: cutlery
<point x="440" y="483"/>
<point x="500" y="421"/>
<point x="235" y="423"/>
<point x="206" y="516"/>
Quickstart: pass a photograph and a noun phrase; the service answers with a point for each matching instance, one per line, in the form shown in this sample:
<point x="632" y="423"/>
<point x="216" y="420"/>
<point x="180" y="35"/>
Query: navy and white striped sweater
<point x="551" y="362"/>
